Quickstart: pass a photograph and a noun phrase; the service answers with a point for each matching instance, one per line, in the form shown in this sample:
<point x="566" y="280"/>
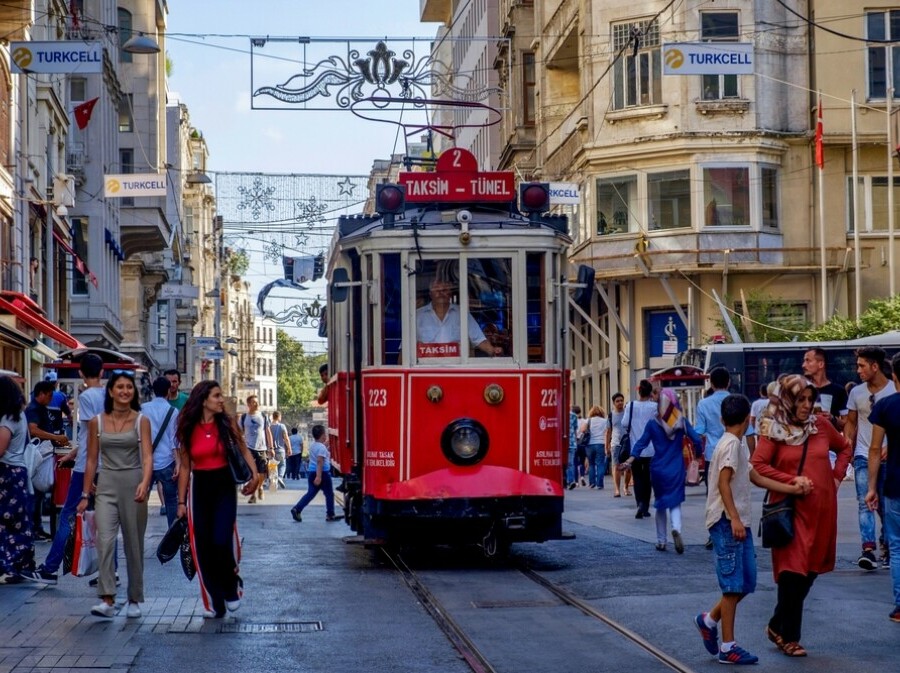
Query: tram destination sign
<point x="457" y="178"/>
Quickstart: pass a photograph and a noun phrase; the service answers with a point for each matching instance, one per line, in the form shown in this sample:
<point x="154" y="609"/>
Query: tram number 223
<point x="378" y="397"/>
<point x="549" y="397"/>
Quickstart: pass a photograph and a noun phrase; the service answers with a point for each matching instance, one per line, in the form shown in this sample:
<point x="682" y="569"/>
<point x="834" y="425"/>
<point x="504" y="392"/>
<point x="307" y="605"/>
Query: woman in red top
<point x="785" y="427"/>
<point x="211" y="507"/>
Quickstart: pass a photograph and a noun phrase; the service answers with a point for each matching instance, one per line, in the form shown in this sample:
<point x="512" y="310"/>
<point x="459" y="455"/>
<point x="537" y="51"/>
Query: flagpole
<point x="820" y="162"/>
<point x="857" y="261"/>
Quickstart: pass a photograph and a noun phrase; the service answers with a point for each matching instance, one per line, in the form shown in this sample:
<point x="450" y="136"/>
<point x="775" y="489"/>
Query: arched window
<point x="125" y="32"/>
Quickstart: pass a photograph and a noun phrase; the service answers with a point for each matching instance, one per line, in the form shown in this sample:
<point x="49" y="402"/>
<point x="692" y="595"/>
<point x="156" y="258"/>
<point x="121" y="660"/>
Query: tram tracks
<point x="476" y="658"/>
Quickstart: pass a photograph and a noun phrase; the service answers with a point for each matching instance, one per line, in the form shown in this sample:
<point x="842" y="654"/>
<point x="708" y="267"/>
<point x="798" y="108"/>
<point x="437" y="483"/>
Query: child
<point x="727" y="510"/>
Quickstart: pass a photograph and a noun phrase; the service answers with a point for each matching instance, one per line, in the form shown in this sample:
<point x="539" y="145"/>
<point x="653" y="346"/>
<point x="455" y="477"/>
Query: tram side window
<point x="535" y="302"/>
<point x="490" y="304"/>
<point x="392" y="327"/>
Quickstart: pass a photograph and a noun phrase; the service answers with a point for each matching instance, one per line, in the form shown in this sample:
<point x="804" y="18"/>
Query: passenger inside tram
<point x="438" y="325"/>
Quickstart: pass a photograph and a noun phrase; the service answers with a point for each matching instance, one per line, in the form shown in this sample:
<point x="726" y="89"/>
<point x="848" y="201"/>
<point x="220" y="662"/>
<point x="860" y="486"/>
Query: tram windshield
<point x="481" y="309"/>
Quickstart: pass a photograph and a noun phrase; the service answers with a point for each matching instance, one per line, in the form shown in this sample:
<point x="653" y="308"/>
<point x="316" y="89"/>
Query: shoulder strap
<point x="137" y="426"/>
<point x="803" y="457"/>
<point x="243" y="421"/>
<point x="630" y="415"/>
<point x="162" y="429"/>
<point x="99" y="424"/>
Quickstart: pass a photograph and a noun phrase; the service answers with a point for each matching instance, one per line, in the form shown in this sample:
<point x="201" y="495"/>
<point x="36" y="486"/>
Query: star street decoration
<point x="404" y="69"/>
<point x="346" y="186"/>
<point x="257" y="198"/>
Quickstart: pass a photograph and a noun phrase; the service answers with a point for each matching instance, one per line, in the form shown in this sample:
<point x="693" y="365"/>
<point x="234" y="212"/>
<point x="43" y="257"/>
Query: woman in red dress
<point x="206" y="494"/>
<point x="785" y="427"/>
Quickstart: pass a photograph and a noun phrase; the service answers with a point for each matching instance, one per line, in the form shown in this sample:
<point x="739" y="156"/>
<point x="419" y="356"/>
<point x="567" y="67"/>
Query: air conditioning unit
<point x="64" y="190"/>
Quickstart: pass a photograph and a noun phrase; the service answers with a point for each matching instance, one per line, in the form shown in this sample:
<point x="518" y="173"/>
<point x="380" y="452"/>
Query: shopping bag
<point x="692" y="476"/>
<point x="84" y="555"/>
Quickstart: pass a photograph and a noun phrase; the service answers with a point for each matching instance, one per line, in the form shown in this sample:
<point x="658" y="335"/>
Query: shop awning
<point x="31" y="314"/>
<point x="79" y="263"/>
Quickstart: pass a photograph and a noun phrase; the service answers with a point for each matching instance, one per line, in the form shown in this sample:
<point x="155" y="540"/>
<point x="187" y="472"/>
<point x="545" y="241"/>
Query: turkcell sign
<point x="461" y="186"/>
<point x="65" y="56"/>
<point x="564" y="194"/>
<point x="707" y="58"/>
<point x="134" y="184"/>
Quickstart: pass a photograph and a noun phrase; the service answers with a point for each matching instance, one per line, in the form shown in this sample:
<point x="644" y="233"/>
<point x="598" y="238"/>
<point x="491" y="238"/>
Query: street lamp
<point x="198" y="178"/>
<point x="141" y="44"/>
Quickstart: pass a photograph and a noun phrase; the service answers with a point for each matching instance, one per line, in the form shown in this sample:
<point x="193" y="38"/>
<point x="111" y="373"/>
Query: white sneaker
<point x="133" y="611"/>
<point x="232" y="606"/>
<point x="103" y="609"/>
<point x="209" y="614"/>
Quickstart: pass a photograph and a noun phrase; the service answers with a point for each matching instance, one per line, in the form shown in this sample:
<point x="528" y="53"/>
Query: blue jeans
<point x="866" y="516"/>
<point x="326" y="487"/>
<point x="282" y="462"/>
<point x="170" y="490"/>
<point x="570" y="464"/>
<point x="64" y="523"/>
<point x="892" y="537"/>
<point x="597" y="461"/>
<point x="735" y="561"/>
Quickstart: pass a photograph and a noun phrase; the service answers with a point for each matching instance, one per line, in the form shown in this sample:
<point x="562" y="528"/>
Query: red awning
<point x="79" y="263"/>
<point x="30" y="313"/>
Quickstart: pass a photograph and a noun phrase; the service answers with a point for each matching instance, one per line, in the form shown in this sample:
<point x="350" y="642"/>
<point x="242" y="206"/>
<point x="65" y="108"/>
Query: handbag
<point x="44" y="472"/>
<point x="776" y="525"/>
<point x="240" y="471"/>
<point x="84" y="556"/>
<point x="171" y="542"/>
<point x="623" y="451"/>
<point x="187" y="558"/>
<point x="692" y="476"/>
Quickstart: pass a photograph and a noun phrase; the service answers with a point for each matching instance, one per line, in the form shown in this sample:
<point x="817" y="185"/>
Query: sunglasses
<point x="125" y="372"/>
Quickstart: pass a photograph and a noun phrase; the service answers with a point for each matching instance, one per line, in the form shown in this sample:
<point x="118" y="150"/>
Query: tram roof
<point x="444" y="217"/>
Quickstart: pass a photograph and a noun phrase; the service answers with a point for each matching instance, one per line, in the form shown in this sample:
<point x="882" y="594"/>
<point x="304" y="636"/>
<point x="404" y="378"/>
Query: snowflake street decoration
<point x="352" y="77"/>
<point x="311" y="211"/>
<point x="273" y="250"/>
<point x="256" y="199"/>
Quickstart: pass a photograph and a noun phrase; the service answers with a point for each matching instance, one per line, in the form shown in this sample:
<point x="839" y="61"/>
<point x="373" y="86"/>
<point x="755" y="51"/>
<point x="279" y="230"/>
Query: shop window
<point x="726" y="196"/>
<point x="670" y="199"/>
<point x="616" y="204"/>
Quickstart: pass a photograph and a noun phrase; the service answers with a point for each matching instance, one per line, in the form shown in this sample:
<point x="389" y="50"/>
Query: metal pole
<point x="217" y="234"/>
<point x="49" y="296"/>
<point x="890" y="159"/>
<point x="822" y="252"/>
<point x="857" y="257"/>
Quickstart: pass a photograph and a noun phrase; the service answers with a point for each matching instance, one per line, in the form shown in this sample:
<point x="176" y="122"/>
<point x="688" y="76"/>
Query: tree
<point x="298" y="377"/>
<point x="880" y="316"/>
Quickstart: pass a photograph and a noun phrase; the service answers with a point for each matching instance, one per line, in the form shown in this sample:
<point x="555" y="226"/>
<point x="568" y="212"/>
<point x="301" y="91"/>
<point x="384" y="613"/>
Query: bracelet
<point x="85" y="495"/>
<point x="182" y="503"/>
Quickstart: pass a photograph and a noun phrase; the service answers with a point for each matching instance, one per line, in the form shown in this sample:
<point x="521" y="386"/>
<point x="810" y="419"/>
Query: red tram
<point x="447" y="401"/>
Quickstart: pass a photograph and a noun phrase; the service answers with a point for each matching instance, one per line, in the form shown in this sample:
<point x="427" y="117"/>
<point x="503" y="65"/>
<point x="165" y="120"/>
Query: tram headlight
<point x="464" y="442"/>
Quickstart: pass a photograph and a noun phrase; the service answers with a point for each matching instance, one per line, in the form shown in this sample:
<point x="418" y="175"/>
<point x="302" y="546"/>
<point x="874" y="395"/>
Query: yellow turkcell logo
<point x="113" y="186"/>
<point x="674" y="58"/>
<point x="22" y="57"/>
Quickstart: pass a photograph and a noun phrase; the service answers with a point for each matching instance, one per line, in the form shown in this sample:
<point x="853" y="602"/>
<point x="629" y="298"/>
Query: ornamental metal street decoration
<point x="404" y="68"/>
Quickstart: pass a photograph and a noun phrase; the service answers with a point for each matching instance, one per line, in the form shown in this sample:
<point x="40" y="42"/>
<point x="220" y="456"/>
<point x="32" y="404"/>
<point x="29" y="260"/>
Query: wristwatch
<point x="85" y="496"/>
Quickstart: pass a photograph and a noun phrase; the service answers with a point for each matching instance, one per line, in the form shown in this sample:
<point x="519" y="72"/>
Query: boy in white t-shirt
<point x="727" y="515"/>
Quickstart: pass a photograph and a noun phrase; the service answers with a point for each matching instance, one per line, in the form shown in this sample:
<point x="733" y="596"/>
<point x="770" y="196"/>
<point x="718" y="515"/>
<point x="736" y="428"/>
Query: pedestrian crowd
<point x="187" y="444"/>
<point x="799" y="441"/>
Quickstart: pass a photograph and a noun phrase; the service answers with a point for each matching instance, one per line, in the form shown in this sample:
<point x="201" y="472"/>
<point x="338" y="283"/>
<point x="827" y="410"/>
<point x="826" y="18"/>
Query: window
<point x="125" y="32"/>
<point x="883" y="25"/>
<point x="726" y="197"/>
<point x="126" y="165"/>
<point x="181" y="351"/>
<point x="126" y="119"/>
<point x="873" y="203"/>
<point x="528" y="84"/>
<point x="535" y="302"/>
<point x="719" y="27"/>
<point x="768" y="178"/>
<point x="616" y="204"/>
<point x="162" y="322"/>
<point x="669" y="199"/>
<point x="77" y="89"/>
<point x="636" y="72"/>
<point x="80" y="245"/>
<point x="392" y="323"/>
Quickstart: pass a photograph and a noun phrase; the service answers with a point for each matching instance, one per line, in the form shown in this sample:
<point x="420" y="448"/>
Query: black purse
<point x="171" y="542"/>
<point x="623" y="451"/>
<point x="240" y="471"/>
<point x="776" y="525"/>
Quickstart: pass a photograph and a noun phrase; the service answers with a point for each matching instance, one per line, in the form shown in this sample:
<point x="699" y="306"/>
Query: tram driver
<point x="437" y="323"/>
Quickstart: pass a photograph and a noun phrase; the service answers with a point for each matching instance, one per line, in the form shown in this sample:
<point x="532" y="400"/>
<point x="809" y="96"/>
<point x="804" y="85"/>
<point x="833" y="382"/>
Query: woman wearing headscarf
<point x="786" y="428"/>
<point x="207" y="495"/>
<point x="667" y="472"/>
<point x="16" y="534"/>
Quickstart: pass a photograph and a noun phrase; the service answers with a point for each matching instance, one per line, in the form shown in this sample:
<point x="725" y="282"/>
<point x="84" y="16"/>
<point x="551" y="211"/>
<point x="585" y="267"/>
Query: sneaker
<point x="583" y="481"/>
<point x="39" y="576"/>
<point x="710" y="635"/>
<point x="886" y="561"/>
<point x="252" y="500"/>
<point x="94" y="582"/>
<point x="104" y="609"/>
<point x="708" y="544"/>
<point x="639" y="514"/>
<point x="11" y="579"/>
<point x="572" y="485"/>
<point x="42" y="535"/>
<point x="296" y="514"/>
<point x="737" y="655"/>
<point x="867" y="561"/>
<point x="895" y="615"/>
<point x="281" y="483"/>
<point x="133" y="611"/>
<point x="232" y="606"/>
<point x="679" y="543"/>
<point x="209" y="614"/>
<point x="332" y="517"/>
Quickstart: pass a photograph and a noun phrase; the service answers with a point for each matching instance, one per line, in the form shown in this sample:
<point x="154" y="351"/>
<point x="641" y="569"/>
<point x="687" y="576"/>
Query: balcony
<point x="15" y="16"/>
<point x="436" y="10"/>
<point x="144" y="228"/>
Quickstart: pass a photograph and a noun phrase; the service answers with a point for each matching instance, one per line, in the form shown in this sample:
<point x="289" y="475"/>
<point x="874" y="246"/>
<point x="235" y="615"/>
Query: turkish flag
<point x="820" y="128"/>
<point x="83" y="112"/>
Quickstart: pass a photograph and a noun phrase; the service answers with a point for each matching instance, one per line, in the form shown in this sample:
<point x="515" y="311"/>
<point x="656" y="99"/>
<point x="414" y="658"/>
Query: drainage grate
<point x="270" y="627"/>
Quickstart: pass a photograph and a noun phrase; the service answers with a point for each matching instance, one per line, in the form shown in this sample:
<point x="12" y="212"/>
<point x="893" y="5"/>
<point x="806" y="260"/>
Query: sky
<point x="209" y="47"/>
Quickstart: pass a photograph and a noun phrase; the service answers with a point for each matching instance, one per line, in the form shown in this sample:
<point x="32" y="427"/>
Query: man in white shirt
<point x="163" y="419"/>
<point x="858" y="429"/>
<point x="438" y="324"/>
<point x="637" y="414"/>
<point x="258" y="437"/>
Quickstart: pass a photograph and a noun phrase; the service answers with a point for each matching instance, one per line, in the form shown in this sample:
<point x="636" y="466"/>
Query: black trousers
<point x="640" y="471"/>
<point x="213" y="520"/>
<point x="793" y="589"/>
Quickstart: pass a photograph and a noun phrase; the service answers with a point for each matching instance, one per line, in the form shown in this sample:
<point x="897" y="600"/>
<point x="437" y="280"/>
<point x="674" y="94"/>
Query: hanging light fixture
<point x="198" y="178"/>
<point x="141" y="44"/>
